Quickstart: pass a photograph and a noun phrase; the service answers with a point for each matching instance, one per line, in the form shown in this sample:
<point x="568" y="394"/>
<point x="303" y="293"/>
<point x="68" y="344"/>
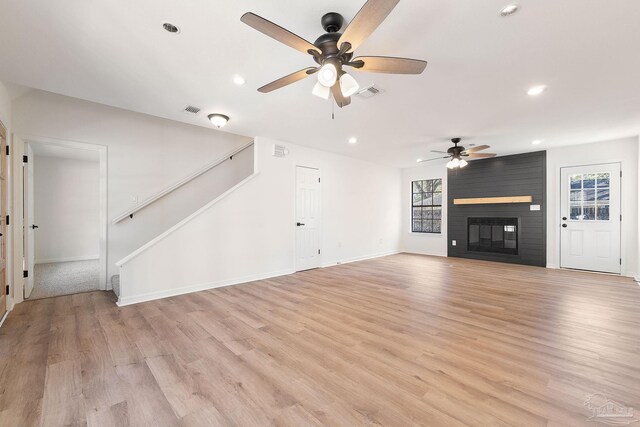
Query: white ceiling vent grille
<point x="190" y="109"/>
<point x="279" y="150"/>
<point x="369" y="92"/>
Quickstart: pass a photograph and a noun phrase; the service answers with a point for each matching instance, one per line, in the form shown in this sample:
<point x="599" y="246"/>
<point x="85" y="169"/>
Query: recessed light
<point x="536" y="90"/>
<point x="536" y="142"/>
<point x="353" y="140"/>
<point x="239" y="80"/>
<point x="509" y="9"/>
<point x="168" y="26"/>
<point x="218" y="120"/>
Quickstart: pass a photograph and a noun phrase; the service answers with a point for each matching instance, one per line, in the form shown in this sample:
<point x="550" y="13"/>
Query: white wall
<point x="145" y="155"/>
<point x="250" y="234"/>
<point x="624" y="151"/>
<point x="67" y="209"/>
<point x="423" y="243"/>
<point x="5" y="107"/>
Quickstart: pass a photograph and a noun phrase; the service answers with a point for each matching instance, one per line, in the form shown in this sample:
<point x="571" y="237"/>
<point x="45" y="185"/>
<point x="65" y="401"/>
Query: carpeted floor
<point x="64" y="278"/>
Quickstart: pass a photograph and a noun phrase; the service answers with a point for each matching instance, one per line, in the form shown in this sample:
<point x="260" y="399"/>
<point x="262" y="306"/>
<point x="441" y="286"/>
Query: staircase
<point x="168" y="207"/>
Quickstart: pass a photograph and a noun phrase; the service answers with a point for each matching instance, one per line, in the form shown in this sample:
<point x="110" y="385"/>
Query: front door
<point x="590" y="218"/>
<point x="307" y="218"/>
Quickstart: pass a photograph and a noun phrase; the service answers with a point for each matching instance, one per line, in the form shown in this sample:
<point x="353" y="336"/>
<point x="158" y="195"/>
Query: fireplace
<point x="497" y="235"/>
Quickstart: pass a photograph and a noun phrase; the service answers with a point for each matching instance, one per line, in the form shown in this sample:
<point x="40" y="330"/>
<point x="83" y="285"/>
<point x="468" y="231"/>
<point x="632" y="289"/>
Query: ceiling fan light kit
<point x="321" y="90"/>
<point x="348" y="85"/>
<point x="334" y="50"/>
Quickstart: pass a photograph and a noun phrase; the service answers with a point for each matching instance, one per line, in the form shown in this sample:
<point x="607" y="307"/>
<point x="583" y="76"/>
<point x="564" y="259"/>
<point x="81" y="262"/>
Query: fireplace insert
<point x="499" y="235"/>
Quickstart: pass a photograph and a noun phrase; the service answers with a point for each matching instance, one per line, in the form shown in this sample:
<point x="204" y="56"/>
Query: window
<point x="589" y="197"/>
<point x="426" y="206"/>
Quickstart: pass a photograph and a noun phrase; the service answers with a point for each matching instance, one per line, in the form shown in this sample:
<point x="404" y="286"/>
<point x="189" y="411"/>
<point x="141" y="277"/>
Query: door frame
<point x="293" y="223"/>
<point x="17" y="147"/>
<point x="623" y="239"/>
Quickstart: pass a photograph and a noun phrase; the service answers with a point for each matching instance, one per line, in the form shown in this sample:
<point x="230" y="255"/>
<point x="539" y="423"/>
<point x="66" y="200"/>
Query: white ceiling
<point x="480" y="65"/>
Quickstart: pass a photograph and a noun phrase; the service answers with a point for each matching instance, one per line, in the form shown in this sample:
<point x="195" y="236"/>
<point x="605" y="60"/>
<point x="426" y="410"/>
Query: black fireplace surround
<point x="491" y="234"/>
<point x="502" y="176"/>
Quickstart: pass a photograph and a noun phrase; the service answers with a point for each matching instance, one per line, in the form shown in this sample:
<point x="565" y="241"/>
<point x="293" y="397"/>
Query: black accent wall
<point x="516" y="175"/>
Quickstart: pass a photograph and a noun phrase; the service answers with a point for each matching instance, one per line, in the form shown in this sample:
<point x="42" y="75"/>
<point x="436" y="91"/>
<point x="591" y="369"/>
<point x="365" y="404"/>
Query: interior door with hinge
<point x="590" y="218"/>
<point x="4" y="176"/>
<point x="307" y="218"/>
<point x="29" y="218"/>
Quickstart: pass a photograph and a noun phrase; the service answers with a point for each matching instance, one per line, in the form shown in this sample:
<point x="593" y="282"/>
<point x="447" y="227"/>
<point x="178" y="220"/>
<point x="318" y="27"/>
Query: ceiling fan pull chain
<point x="333" y="110"/>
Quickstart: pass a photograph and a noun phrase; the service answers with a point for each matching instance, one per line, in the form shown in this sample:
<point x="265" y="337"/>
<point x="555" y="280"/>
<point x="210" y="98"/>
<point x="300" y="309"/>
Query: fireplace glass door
<point x="499" y="235"/>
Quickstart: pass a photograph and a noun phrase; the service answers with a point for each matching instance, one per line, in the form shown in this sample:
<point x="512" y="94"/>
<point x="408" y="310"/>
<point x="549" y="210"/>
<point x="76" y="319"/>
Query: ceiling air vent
<point x="369" y="92"/>
<point x="190" y="109"/>
<point x="280" y="150"/>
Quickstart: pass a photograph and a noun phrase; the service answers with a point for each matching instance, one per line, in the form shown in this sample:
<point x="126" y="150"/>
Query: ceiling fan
<point x="457" y="153"/>
<point x="334" y="50"/>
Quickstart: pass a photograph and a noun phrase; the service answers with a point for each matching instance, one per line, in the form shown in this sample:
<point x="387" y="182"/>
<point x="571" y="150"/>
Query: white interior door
<point x="29" y="222"/>
<point x="590" y="223"/>
<point x="307" y="218"/>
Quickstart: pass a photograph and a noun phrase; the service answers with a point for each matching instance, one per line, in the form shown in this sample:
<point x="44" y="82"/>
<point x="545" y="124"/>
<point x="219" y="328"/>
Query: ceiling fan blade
<point x="477" y="148"/>
<point x="277" y="32"/>
<point x="437" y="158"/>
<point x="287" y="80"/>
<point x="480" y="155"/>
<point x="441" y="152"/>
<point x="366" y="21"/>
<point x="390" y="65"/>
<point x="337" y="95"/>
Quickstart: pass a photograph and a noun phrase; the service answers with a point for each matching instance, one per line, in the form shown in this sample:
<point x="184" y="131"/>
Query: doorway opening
<point x="63" y="215"/>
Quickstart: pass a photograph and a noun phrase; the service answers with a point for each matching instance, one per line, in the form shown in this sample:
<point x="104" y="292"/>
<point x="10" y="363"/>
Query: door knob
<point x="299" y="224"/>
<point x="564" y="225"/>
<point x="33" y="226"/>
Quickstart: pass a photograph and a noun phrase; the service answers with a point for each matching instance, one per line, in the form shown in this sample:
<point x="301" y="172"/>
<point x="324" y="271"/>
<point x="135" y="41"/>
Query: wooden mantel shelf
<point x="493" y="200"/>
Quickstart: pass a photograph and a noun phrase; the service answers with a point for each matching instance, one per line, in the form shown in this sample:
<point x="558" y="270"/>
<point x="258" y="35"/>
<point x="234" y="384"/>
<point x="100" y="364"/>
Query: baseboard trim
<point x="438" y="254"/>
<point x="123" y="301"/>
<point x="360" y="258"/>
<point x="68" y="259"/>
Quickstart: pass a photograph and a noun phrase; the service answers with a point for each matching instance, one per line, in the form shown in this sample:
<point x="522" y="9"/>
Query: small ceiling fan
<point x="457" y="153"/>
<point x="334" y="50"/>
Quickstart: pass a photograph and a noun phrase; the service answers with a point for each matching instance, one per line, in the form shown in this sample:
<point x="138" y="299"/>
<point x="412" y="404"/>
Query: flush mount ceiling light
<point x="168" y="26"/>
<point x="218" y="120"/>
<point x="353" y="140"/>
<point x="536" y="90"/>
<point x="239" y="80"/>
<point x="509" y="10"/>
<point x="536" y="142"/>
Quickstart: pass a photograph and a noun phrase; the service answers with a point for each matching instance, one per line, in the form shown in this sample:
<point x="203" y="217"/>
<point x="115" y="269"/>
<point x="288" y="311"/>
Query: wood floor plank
<point x="395" y="341"/>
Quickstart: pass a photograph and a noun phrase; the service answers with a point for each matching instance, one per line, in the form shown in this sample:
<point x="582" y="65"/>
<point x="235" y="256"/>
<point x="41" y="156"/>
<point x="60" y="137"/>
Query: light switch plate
<point x="454" y="243"/>
<point x="534" y="207"/>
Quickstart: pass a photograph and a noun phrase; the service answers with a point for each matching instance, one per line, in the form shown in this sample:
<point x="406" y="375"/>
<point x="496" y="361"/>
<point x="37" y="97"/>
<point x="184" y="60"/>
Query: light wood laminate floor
<point x="396" y="341"/>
